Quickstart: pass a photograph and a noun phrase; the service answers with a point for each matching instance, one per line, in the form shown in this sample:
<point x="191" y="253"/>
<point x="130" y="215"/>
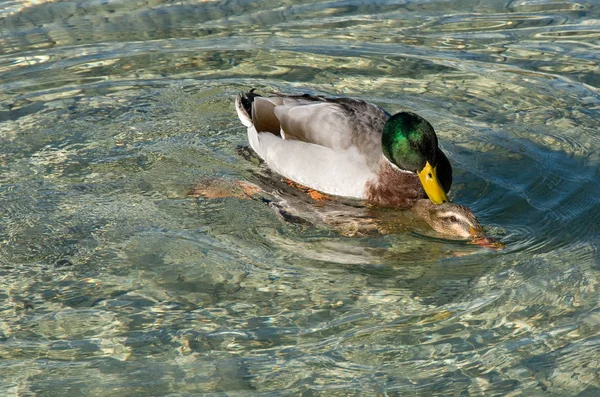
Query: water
<point x="116" y="281"/>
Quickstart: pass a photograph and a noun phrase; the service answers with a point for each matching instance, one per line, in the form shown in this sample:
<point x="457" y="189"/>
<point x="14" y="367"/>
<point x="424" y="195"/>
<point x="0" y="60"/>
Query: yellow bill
<point x="431" y="184"/>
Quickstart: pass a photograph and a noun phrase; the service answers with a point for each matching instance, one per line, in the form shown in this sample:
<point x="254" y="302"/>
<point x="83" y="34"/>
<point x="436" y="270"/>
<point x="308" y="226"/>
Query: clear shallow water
<point x="114" y="281"/>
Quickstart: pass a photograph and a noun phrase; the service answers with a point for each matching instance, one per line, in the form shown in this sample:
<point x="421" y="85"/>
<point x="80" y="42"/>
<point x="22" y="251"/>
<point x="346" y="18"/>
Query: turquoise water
<point x="116" y="281"/>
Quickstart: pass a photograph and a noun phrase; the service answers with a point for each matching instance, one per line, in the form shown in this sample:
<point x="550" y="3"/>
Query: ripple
<point x="571" y="34"/>
<point x="115" y="279"/>
<point x="503" y="23"/>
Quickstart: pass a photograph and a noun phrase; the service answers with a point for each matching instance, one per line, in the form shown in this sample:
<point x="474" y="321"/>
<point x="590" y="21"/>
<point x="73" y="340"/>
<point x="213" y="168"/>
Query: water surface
<point x="116" y="281"/>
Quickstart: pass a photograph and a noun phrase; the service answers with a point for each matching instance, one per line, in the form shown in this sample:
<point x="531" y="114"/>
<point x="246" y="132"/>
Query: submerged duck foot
<point x="312" y="193"/>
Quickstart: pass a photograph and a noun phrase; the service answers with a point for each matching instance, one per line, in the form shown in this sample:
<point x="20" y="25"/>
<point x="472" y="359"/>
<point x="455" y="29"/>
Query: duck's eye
<point x="453" y="219"/>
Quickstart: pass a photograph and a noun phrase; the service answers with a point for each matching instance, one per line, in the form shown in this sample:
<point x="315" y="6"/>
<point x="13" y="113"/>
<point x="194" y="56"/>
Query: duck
<point x="347" y="147"/>
<point x="453" y="220"/>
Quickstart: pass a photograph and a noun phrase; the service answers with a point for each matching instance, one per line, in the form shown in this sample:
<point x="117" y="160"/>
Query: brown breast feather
<point x="394" y="188"/>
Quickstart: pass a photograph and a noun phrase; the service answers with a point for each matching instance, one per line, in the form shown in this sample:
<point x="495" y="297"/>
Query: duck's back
<point x="335" y="123"/>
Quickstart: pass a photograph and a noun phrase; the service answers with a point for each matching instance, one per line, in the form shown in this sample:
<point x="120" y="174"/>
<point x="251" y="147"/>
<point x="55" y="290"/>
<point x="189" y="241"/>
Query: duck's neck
<point x="421" y="209"/>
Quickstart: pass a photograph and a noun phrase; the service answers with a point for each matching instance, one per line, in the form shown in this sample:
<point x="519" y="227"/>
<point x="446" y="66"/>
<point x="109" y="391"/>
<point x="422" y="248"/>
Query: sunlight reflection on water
<point x="117" y="280"/>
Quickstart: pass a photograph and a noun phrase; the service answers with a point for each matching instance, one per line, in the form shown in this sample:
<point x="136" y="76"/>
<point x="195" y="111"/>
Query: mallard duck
<point x="347" y="147"/>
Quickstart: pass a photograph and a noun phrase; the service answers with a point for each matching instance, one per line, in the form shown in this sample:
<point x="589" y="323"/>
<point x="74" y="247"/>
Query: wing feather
<point x="309" y="120"/>
<point x="324" y="124"/>
<point x="263" y="115"/>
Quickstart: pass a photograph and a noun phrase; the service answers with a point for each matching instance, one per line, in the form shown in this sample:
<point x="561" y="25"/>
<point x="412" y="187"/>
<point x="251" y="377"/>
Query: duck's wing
<point x="335" y="123"/>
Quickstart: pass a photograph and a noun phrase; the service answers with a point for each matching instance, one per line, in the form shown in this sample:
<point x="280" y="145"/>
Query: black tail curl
<point x="246" y="99"/>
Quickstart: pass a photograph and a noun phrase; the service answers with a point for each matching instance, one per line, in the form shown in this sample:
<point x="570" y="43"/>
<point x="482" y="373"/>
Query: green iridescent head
<point x="409" y="142"/>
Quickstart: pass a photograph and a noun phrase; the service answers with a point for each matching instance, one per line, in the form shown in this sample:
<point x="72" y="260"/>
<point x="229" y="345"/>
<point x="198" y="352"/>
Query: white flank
<point x="318" y="167"/>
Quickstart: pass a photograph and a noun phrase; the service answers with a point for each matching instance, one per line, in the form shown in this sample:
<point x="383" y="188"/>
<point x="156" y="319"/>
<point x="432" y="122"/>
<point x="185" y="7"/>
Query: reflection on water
<point x="116" y="281"/>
